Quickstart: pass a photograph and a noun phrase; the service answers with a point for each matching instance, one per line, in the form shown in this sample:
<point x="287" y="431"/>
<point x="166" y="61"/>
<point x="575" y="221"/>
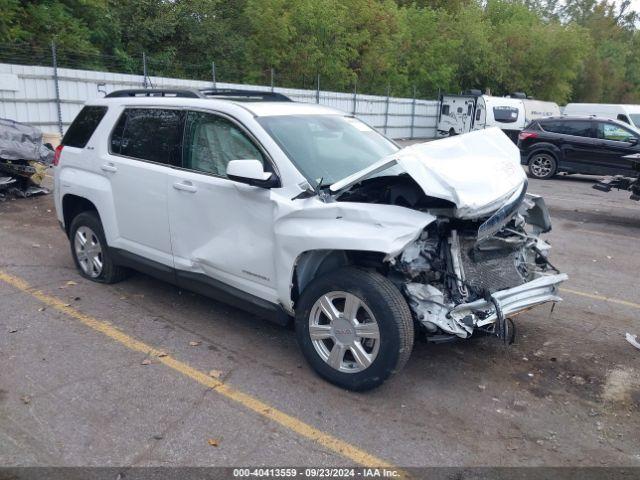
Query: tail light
<point x="525" y="135"/>
<point x="56" y="155"/>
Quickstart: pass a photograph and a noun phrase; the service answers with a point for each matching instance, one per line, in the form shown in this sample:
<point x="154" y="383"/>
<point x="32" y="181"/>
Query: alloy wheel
<point x="541" y="165"/>
<point x="344" y="332"/>
<point x="88" y="251"/>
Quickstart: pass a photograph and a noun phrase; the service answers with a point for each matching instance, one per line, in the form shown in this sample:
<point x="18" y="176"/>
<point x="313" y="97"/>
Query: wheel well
<point x="72" y="206"/>
<point x="313" y="263"/>
<point x="543" y="150"/>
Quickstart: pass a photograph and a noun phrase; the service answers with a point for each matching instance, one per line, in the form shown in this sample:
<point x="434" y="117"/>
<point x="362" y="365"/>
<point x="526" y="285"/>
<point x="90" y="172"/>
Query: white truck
<point x="473" y="111"/>
<point x="626" y="113"/>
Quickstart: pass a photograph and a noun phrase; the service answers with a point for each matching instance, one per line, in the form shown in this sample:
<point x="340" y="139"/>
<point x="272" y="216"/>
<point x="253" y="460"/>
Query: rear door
<point x="575" y="139"/>
<point x="145" y="145"/>
<point x="480" y="115"/>
<point x="467" y="114"/>
<point x="614" y="142"/>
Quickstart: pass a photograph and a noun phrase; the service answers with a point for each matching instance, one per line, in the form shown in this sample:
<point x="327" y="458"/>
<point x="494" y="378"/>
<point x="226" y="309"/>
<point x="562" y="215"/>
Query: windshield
<point x="327" y="148"/>
<point x="635" y="118"/>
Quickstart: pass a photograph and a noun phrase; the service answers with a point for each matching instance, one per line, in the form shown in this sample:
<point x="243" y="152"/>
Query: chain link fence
<point x="62" y="80"/>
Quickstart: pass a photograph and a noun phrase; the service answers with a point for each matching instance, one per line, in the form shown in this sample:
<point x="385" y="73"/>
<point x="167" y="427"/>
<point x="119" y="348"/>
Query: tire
<point x="452" y="132"/>
<point x="382" y="310"/>
<point x="542" y="165"/>
<point x="87" y="225"/>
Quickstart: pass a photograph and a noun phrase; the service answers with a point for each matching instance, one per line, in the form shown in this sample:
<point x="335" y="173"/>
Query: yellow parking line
<point x="601" y="297"/>
<point x="296" y="425"/>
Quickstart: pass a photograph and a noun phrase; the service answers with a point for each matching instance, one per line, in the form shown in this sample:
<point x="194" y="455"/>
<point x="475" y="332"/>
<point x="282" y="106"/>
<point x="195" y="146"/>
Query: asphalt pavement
<point x="141" y="373"/>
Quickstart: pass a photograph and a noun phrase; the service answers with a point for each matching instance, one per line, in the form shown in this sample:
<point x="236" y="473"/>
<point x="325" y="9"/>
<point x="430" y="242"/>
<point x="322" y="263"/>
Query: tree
<point x="608" y="73"/>
<point x="536" y="56"/>
<point x="552" y="49"/>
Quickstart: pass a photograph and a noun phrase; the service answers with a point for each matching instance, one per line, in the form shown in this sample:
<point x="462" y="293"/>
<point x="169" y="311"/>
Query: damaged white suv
<point x="296" y="210"/>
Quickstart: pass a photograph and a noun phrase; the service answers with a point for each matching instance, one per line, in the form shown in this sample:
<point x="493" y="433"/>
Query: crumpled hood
<point x="476" y="171"/>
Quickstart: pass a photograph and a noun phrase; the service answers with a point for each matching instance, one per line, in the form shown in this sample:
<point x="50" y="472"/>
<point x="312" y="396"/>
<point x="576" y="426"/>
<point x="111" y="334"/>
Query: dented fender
<point x="310" y="224"/>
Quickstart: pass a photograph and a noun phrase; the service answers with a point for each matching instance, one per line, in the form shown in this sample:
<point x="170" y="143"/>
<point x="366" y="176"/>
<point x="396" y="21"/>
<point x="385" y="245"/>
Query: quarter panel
<point x="94" y="188"/>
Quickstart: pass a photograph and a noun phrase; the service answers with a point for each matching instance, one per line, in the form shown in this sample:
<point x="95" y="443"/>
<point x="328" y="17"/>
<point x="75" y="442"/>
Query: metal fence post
<point x="355" y="97"/>
<point x="54" y="58"/>
<point x="144" y="70"/>
<point x="413" y="111"/>
<point x="318" y="89"/>
<point x="213" y="73"/>
<point x="272" y="80"/>
<point x="386" y="110"/>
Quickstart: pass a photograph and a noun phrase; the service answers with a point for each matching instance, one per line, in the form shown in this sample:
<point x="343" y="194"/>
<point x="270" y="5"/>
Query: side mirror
<point x="633" y="140"/>
<point x="252" y="173"/>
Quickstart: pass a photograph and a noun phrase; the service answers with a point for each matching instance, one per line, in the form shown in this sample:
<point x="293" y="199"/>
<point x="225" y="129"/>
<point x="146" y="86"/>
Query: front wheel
<point x="542" y="165"/>
<point x="354" y="328"/>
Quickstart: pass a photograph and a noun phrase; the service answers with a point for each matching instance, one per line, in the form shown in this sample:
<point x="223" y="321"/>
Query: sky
<point x="635" y="4"/>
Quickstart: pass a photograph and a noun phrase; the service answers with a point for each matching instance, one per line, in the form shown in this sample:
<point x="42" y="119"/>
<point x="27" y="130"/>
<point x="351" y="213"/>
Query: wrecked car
<point x="24" y="159"/>
<point x="622" y="182"/>
<point x="298" y="212"/>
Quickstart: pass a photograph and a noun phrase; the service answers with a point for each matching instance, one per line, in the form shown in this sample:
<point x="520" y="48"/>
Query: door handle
<point x="109" y="167"/>
<point x="185" y="186"/>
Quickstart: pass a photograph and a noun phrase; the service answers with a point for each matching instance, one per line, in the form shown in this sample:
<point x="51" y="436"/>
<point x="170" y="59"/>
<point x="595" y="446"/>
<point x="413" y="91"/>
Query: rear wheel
<point x="90" y="251"/>
<point x="354" y="328"/>
<point x="542" y="165"/>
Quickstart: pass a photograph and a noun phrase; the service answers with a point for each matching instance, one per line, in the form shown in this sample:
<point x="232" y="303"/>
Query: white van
<point x="625" y="113"/>
<point x="468" y="112"/>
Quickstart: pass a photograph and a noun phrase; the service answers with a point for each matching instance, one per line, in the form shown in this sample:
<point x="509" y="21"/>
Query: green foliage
<point x="586" y="50"/>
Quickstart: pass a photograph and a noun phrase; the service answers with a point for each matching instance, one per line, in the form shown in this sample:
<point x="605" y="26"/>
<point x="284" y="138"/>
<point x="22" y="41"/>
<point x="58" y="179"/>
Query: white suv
<point x="294" y="210"/>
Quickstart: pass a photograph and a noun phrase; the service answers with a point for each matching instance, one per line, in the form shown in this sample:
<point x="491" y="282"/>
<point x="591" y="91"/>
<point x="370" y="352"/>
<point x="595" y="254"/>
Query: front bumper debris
<point x="512" y="301"/>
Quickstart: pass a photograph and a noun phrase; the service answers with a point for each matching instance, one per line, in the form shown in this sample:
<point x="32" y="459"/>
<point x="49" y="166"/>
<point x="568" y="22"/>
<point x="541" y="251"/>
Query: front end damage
<point x="482" y="259"/>
<point x="461" y="276"/>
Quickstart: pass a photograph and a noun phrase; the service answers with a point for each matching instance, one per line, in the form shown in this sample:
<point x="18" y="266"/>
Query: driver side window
<point x="212" y="141"/>
<point x="610" y="131"/>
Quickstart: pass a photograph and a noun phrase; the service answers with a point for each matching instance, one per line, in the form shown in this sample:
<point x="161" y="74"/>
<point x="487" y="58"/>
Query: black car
<point x="589" y="145"/>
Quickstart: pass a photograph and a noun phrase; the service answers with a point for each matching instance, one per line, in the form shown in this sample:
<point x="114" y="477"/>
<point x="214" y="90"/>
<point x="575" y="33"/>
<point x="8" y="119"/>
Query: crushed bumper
<point x="512" y="301"/>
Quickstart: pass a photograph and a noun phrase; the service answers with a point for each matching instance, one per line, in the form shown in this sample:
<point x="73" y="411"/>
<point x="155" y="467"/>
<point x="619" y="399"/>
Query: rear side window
<point x="83" y="126"/>
<point x="576" y="128"/>
<point x="152" y="134"/>
<point x="445" y="110"/>
<point x="505" y="114"/>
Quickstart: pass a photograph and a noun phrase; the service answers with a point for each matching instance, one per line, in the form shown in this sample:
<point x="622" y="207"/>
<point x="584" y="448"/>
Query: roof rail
<point x="244" y="95"/>
<point x="154" y="92"/>
<point x="222" y="93"/>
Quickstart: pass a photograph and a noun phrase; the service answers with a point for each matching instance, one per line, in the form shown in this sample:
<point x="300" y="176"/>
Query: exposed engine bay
<point x="464" y="274"/>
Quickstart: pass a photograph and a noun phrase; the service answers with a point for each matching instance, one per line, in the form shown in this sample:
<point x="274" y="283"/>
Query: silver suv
<point x="300" y="212"/>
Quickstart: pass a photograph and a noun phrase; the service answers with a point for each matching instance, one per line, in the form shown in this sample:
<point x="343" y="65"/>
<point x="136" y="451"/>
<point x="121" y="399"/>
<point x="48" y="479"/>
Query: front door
<point x="613" y="144"/>
<point x="221" y="230"/>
